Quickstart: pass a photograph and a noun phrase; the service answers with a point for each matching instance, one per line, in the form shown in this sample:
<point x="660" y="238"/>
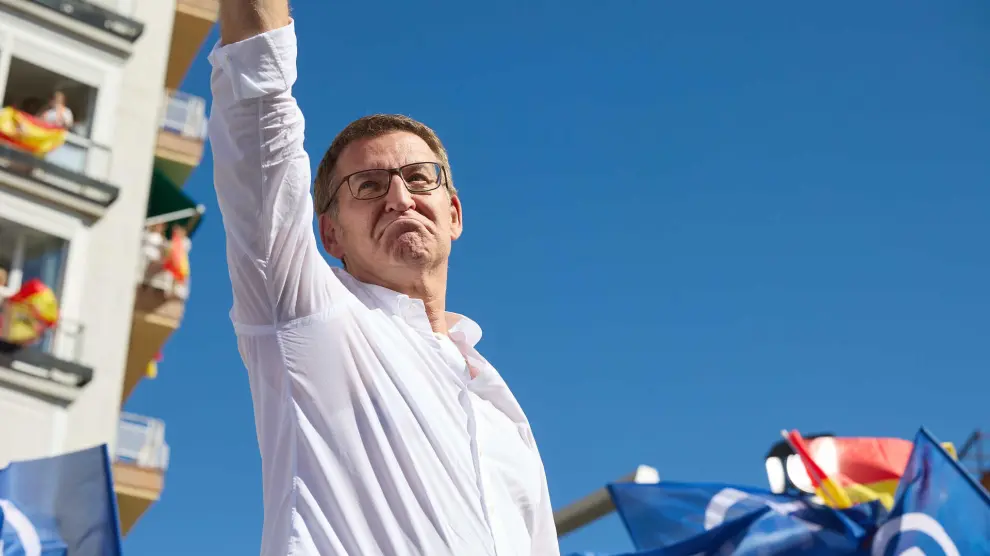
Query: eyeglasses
<point x="418" y="177"/>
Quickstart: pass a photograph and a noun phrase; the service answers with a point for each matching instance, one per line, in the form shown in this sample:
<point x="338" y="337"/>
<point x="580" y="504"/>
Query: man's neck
<point x="430" y="287"/>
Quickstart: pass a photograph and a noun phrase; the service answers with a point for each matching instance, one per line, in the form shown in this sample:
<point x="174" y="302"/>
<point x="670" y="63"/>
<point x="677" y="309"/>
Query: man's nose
<point x="398" y="197"/>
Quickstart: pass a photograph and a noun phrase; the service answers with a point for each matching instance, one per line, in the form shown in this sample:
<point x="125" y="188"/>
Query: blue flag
<point x="674" y="519"/>
<point x="59" y="506"/>
<point x="939" y="508"/>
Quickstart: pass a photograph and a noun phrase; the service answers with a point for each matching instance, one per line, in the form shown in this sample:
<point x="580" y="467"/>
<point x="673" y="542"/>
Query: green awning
<point x="169" y="204"/>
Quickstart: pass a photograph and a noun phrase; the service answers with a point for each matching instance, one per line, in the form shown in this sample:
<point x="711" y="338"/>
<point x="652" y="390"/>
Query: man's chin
<point x="411" y="248"/>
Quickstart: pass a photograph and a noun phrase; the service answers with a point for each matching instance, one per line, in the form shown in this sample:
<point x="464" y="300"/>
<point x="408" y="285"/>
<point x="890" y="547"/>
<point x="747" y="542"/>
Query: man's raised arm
<point x="261" y="172"/>
<point x="243" y="19"/>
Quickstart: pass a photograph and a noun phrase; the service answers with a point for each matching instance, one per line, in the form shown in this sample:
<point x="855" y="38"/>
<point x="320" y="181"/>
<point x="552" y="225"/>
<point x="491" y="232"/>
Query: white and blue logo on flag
<point x="59" y="506"/>
<point x="682" y="519"/>
<point x="939" y="508"/>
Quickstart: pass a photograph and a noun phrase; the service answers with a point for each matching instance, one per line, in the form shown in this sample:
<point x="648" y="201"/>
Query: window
<point x="43" y="93"/>
<point x="31" y="88"/>
<point x="26" y="254"/>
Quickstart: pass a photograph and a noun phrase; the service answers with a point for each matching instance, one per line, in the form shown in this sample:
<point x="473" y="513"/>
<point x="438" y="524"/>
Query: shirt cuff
<point x="262" y="65"/>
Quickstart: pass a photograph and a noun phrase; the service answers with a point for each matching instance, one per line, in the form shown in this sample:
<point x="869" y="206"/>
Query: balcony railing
<point x="82" y="156"/>
<point x="64" y="340"/>
<point x="141" y="442"/>
<point x="50" y="366"/>
<point x="184" y="114"/>
<point x="79" y="167"/>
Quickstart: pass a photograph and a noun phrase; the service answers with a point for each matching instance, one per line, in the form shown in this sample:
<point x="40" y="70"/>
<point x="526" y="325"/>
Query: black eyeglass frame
<point x="345" y="181"/>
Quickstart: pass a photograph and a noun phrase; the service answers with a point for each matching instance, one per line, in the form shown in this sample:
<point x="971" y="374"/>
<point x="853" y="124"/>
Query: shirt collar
<point x="464" y="330"/>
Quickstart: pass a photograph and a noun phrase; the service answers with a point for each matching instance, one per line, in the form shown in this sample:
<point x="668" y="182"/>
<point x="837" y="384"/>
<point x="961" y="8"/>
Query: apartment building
<point x="77" y="219"/>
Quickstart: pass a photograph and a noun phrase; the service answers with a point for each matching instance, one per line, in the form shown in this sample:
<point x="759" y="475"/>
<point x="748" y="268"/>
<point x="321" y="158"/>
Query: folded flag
<point x="59" y="506"/>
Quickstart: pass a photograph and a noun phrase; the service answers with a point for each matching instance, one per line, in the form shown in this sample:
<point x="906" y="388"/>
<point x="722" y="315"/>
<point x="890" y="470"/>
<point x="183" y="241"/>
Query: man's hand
<point x="243" y="19"/>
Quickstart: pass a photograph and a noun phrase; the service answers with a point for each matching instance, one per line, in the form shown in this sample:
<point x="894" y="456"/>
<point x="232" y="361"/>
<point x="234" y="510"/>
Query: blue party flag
<point x="939" y="508"/>
<point x="59" y="506"/>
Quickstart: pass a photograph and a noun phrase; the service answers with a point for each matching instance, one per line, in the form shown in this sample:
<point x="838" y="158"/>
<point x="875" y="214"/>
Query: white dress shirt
<point x="374" y="438"/>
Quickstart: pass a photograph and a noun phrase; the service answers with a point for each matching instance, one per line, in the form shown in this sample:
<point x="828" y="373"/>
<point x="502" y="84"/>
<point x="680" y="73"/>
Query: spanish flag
<point x="177" y="259"/>
<point x="868" y="468"/>
<point x="825" y="485"/>
<point x="864" y="469"/>
<point x="27" y="133"/>
<point x="31" y="311"/>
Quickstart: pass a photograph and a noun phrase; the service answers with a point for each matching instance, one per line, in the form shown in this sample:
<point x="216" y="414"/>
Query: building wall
<point x="102" y="266"/>
<point x="114" y="241"/>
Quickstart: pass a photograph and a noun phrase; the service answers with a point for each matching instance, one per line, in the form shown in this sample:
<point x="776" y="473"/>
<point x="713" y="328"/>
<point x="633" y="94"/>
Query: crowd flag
<point x="59" y="506"/>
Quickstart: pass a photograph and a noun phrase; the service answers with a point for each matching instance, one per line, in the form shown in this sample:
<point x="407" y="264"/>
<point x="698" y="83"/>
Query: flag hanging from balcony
<point x="58" y="506"/>
<point x="28" y="133"/>
<point x="29" y="313"/>
<point x="177" y="258"/>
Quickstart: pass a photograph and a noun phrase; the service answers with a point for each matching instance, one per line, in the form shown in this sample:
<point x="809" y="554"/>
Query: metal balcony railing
<point x="141" y="442"/>
<point x="184" y="114"/>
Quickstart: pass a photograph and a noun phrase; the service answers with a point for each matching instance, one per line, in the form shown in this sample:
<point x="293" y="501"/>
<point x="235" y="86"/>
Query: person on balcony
<point x="57" y="113"/>
<point x="152" y="250"/>
<point x="382" y="429"/>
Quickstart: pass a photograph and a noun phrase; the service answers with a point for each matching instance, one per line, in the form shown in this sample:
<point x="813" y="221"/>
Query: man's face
<point x="399" y="232"/>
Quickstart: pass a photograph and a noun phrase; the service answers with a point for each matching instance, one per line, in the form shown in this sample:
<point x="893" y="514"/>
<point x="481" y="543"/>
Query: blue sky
<point x="688" y="225"/>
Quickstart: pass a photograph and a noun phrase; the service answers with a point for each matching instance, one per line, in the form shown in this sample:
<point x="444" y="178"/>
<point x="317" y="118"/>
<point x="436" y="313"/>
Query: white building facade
<point x="76" y="219"/>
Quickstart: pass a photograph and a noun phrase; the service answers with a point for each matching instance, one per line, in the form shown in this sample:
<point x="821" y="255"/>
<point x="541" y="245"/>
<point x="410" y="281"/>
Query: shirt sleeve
<point x="544" y="535"/>
<point x="262" y="178"/>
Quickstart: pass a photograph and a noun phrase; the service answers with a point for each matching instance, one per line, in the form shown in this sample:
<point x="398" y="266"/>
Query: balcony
<point x="181" y="135"/>
<point x="50" y="370"/>
<point x="39" y="348"/>
<point x="72" y="175"/>
<point x="193" y="20"/>
<point x="99" y="20"/>
<point x="140" y="461"/>
<point x="160" y="301"/>
<point x="75" y="174"/>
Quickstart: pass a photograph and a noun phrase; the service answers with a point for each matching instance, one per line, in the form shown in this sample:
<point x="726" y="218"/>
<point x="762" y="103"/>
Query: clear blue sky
<point x="688" y="225"/>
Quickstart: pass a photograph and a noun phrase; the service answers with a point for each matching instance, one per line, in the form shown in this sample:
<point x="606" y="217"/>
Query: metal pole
<point x="598" y="504"/>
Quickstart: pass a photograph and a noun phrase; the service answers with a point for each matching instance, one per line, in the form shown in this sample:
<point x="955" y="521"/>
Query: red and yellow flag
<point x="177" y="259"/>
<point x="868" y="468"/>
<point x="30" y="312"/>
<point x="27" y="133"/>
<point x="825" y="486"/>
<point x="863" y="469"/>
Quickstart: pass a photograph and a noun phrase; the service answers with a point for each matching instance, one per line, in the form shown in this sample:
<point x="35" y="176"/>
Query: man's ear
<point x="456" y="217"/>
<point x="330" y="236"/>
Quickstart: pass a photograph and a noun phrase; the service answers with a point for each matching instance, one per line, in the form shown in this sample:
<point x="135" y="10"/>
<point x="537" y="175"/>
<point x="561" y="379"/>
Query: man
<point x="382" y="430"/>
